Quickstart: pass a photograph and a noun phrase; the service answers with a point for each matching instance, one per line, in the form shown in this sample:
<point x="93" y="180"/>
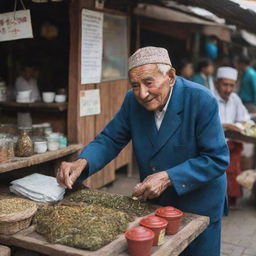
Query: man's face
<point x="28" y="73"/>
<point x="187" y="71"/>
<point x="225" y="87"/>
<point x="151" y="88"/>
<point x="209" y="70"/>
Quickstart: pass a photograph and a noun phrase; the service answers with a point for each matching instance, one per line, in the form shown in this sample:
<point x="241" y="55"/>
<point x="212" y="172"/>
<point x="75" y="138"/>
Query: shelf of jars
<point x="36" y="105"/>
<point x="21" y="162"/>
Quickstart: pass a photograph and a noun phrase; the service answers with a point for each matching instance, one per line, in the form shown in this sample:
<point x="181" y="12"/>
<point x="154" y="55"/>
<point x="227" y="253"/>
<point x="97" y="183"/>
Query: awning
<point x="167" y="14"/>
<point x="240" y="13"/>
<point x="248" y="37"/>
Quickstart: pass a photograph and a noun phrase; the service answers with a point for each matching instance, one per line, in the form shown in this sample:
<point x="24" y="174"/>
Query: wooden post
<point x="84" y="129"/>
<point x="196" y="46"/>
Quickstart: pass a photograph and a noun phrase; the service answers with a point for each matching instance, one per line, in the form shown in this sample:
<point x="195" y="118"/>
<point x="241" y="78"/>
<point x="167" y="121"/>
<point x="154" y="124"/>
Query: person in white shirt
<point x="231" y="110"/>
<point x="27" y="81"/>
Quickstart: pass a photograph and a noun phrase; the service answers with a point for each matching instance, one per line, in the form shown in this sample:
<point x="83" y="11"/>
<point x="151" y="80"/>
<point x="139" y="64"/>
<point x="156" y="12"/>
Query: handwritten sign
<point x="91" y="46"/>
<point x="16" y="26"/>
<point x="89" y="102"/>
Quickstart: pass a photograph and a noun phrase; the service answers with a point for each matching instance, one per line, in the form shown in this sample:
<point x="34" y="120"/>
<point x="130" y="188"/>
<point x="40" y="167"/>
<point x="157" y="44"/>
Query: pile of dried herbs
<point x="85" y="227"/>
<point x="113" y="201"/>
<point x="14" y="205"/>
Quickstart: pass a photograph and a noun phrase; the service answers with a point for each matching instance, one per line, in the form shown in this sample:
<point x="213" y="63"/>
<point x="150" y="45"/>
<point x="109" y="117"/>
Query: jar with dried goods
<point x="24" y="145"/>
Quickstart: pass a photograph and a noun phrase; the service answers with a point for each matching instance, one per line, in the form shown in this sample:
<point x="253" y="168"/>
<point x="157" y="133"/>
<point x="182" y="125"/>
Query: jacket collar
<point x="171" y="120"/>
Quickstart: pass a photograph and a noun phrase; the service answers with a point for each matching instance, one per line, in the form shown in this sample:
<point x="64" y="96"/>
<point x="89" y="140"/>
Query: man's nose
<point x="143" y="92"/>
<point x="229" y="89"/>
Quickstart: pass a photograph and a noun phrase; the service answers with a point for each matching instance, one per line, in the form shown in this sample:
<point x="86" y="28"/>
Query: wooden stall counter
<point x="21" y="162"/>
<point x="191" y="226"/>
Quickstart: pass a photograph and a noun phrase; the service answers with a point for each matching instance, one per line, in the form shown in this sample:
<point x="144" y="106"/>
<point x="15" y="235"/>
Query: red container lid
<point x="153" y="222"/>
<point x="139" y="233"/>
<point x="169" y="211"/>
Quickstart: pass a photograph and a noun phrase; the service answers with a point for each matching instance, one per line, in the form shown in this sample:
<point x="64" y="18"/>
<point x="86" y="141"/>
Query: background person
<point x="204" y="75"/>
<point x="231" y="110"/>
<point x="27" y="81"/>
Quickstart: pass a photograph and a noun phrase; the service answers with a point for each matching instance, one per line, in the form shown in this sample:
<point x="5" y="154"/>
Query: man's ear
<point x="172" y="76"/>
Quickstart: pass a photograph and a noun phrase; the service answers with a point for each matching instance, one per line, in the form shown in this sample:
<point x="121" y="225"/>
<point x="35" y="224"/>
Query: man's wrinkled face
<point x="225" y="87"/>
<point x="151" y="88"/>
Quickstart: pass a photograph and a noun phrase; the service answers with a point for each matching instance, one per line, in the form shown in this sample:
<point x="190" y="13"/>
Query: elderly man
<point x="231" y="110"/>
<point x="177" y="139"/>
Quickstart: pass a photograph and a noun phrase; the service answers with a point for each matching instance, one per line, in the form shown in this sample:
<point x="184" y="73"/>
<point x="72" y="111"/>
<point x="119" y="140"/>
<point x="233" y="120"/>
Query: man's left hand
<point x="152" y="186"/>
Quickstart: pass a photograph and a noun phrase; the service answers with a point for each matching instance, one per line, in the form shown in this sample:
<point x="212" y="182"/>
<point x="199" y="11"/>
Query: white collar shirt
<point x="233" y="110"/>
<point x="159" y="115"/>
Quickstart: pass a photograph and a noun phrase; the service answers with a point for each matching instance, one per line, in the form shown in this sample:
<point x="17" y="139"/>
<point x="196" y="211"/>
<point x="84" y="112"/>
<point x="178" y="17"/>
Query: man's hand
<point x="231" y="127"/>
<point x="68" y="172"/>
<point x="152" y="186"/>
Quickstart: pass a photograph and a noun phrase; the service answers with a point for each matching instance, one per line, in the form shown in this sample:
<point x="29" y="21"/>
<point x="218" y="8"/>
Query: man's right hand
<point x="68" y="172"/>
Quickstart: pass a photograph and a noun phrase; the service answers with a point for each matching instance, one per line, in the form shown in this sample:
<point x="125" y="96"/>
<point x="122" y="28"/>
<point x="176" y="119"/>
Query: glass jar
<point x="63" y="141"/>
<point x="24" y="145"/>
<point x="3" y="151"/>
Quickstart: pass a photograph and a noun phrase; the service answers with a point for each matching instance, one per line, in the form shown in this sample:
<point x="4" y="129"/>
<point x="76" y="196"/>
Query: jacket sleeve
<point x="108" y="144"/>
<point x="213" y="158"/>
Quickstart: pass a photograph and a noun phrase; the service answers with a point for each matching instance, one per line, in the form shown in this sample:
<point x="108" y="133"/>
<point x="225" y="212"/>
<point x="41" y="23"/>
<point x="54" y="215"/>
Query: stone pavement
<point x="238" y="229"/>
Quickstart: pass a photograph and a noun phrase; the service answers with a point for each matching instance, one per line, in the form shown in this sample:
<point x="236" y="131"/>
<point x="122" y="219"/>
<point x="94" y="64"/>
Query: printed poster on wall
<point x="15" y="25"/>
<point x="91" y="46"/>
<point x="89" y="102"/>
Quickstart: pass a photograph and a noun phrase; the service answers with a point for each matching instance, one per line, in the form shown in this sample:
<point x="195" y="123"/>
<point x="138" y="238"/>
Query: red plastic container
<point x="157" y="225"/>
<point x="140" y="241"/>
<point x="173" y="216"/>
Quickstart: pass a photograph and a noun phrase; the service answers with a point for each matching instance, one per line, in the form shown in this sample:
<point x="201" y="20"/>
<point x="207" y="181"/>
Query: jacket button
<point x="153" y="169"/>
<point x="183" y="185"/>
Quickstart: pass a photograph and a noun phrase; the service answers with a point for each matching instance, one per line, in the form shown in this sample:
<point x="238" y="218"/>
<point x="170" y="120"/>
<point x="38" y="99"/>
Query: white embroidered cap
<point x="149" y="55"/>
<point x="227" y="72"/>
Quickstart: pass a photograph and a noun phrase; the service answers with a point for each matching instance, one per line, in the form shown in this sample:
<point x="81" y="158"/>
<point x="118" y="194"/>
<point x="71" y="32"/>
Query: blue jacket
<point x="247" y="90"/>
<point x="190" y="146"/>
<point x="197" y="78"/>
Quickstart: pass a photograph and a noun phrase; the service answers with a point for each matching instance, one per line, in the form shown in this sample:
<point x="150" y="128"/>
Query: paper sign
<point x="91" y="46"/>
<point x="89" y="102"/>
<point x="16" y="26"/>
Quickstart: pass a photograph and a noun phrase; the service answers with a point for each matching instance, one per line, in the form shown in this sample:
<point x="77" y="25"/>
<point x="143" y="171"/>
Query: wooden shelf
<point x="21" y="162"/>
<point x="36" y="105"/>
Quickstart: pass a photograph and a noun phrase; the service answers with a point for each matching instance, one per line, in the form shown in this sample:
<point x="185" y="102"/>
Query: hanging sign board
<point x="89" y="102"/>
<point x="91" y="46"/>
<point x="15" y="25"/>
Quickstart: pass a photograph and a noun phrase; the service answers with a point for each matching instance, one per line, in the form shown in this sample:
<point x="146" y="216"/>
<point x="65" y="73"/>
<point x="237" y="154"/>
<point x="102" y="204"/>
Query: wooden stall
<point x="65" y="117"/>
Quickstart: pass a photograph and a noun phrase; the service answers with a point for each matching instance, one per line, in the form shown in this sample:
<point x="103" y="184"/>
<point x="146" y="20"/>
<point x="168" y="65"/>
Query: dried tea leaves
<point x="113" y="201"/>
<point x="85" y="227"/>
<point x="14" y="205"/>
